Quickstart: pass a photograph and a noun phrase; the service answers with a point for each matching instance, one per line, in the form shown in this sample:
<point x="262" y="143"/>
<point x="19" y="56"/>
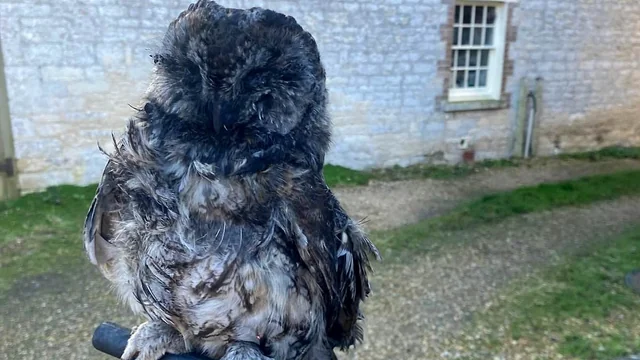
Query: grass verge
<point x="580" y="309"/>
<point x="335" y="175"/>
<point x="496" y="207"/>
<point x="612" y="152"/>
<point x="41" y="232"/>
<point x="341" y="176"/>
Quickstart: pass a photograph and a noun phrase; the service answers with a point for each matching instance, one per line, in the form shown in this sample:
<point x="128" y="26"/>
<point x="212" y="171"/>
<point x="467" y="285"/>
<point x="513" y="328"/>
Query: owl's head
<point x="230" y="70"/>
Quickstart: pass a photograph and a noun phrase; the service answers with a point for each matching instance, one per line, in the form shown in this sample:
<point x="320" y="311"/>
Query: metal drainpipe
<point x="531" y="119"/>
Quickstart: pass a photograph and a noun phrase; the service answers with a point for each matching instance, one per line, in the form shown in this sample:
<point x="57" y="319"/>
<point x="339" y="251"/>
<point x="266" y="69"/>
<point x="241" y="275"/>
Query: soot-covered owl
<point x="212" y="218"/>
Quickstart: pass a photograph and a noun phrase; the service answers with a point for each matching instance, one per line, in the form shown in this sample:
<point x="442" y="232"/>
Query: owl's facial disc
<point x="228" y="71"/>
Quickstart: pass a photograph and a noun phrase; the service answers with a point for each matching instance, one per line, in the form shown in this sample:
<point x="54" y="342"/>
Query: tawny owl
<point x="212" y="217"/>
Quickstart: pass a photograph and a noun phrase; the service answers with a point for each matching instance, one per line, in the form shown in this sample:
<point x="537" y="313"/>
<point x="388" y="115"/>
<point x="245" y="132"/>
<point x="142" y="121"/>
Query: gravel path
<point x="415" y="308"/>
<point x="416" y="304"/>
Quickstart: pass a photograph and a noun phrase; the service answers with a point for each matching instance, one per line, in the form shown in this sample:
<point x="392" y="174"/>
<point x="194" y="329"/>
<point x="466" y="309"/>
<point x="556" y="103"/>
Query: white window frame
<point x="493" y="90"/>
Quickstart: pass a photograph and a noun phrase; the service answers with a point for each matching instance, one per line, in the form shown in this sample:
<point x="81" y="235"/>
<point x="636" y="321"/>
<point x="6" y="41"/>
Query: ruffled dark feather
<point x="212" y="215"/>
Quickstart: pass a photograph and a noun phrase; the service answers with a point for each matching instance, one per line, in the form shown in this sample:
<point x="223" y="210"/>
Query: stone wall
<point x="588" y="55"/>
<point x="73" y="66"/>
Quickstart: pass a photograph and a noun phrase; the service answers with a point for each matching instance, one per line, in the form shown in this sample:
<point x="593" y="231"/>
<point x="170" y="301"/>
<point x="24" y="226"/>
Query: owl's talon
<point x="151" y="340"/>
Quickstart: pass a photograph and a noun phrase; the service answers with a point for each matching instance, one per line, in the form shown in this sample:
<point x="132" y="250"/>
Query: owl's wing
<point x="99" y="224"/>
<point x="353" y="263"/>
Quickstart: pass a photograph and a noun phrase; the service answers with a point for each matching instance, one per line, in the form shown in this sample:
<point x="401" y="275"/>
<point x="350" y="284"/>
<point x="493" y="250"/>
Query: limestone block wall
<point x="72" y="67"/>
<point x="588" y="55"/>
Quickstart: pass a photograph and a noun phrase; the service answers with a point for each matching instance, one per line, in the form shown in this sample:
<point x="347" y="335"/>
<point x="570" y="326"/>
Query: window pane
<point x="456" y="20"/>
<point x="491" y="15"/>
<point x="484" y="58"/>
<point x="462" y="58"/>
<point x="466" y="36"/>
<point x="466" y="18"/>
<point x="453" y="58"/>
<point x="472" y="79"/>
<point x="460" y="79"/>
<point x="473" y="58"/>
<point x="482" y="81"/>
<point x="455" y="35"/>
<point x="477" y="36"/>
<point x="479" y="14"/>
<point x="488" y="37"/>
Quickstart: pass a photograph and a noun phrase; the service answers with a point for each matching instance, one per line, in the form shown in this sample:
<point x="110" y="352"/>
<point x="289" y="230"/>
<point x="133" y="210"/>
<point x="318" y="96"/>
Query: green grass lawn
<point x="496" y="207"/>
<point x="41" y="232"/>
<point x="580" y="309"/>
<point x="613" y="152"/>
<point x="341" y="176"/>
<point x="335" y="175"/>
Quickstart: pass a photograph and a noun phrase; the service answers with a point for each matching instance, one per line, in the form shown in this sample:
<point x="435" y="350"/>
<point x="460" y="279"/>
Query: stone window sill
<point x="459" y="106"/>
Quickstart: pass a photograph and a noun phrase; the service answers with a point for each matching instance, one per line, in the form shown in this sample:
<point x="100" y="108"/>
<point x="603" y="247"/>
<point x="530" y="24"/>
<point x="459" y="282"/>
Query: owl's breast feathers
<point x="268" y="255"/>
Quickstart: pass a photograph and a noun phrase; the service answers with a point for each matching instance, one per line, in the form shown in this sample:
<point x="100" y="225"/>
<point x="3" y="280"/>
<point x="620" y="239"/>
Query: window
<point x="477" y="51"/>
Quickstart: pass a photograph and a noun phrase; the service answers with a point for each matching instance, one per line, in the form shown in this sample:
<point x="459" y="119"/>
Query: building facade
<point x="410" y="80"/>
